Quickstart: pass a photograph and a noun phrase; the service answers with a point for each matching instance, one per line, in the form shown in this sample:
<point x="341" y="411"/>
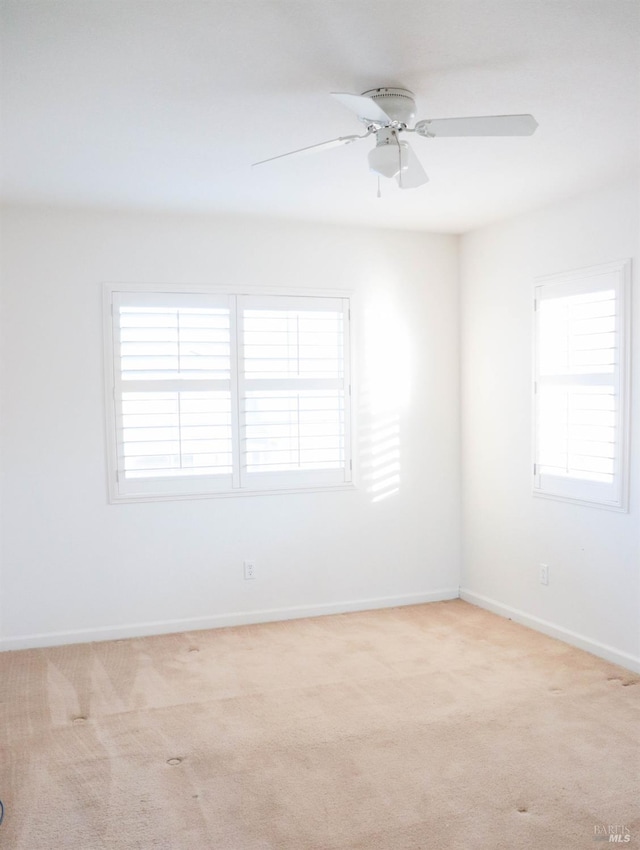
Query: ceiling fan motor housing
<point x="398" y="104"/>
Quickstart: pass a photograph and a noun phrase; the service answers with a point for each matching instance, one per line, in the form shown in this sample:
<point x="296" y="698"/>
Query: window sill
<point x="556" y="497"/>
<point x="226" y="494"/>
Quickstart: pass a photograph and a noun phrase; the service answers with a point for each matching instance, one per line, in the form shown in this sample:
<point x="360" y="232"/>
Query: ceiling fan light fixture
<point x="389" y="155"/>
<point x="385" y="160"/>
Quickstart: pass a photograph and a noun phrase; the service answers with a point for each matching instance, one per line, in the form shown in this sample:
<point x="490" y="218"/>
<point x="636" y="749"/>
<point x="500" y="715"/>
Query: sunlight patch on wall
<point x="385" y="392"/>
<point x="380" y="457"/>
<point x="387" y="359"/>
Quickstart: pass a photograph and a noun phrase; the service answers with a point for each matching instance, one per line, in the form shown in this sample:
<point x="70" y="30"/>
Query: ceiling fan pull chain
<point x="379" y="195"/>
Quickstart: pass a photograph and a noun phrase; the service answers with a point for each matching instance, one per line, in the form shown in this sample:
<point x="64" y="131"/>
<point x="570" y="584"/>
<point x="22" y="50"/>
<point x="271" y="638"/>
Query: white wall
<point x="593" y="596"/>
<point x="76" y="568"/>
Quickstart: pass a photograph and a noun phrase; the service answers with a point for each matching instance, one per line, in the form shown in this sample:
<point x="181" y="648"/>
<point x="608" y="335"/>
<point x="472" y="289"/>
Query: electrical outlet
<point x="249" y="570"/>
<point x="544" y="574"/>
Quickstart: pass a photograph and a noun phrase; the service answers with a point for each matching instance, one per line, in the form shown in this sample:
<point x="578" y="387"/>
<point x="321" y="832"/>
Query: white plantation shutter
<point x="172" y="392"/>
<point x="222" y="393"/>
<point x="293" y="385"/>
<point x="580" y="386"/>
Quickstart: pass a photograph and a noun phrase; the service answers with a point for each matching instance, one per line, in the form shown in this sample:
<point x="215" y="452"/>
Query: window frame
<point x="206" y="487"/>
<point x="576" y="490"/>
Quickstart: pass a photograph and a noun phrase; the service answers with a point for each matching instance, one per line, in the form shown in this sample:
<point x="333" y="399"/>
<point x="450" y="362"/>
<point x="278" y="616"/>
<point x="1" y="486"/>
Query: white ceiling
<point x="164" y="104"/>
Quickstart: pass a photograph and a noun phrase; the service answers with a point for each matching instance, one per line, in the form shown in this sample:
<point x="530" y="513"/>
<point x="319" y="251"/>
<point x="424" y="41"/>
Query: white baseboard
<point x="609" y="653"/>
<point x="240" y="618"/>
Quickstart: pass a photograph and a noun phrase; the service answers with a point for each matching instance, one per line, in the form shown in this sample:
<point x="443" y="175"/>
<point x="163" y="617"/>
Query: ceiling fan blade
<point x="332" y="143"/>
<point x="485" y="125"/>
<point x="412" y="174"/>
<point x="364" y="107"/>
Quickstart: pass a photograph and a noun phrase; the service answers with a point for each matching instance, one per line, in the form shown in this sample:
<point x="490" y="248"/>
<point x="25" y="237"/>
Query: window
<point x="221" y="393"/>
<point x="581" y="369"/>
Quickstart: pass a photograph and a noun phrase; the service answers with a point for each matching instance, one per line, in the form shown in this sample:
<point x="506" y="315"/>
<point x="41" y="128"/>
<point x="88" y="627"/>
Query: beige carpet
<point x="432" y="727"/>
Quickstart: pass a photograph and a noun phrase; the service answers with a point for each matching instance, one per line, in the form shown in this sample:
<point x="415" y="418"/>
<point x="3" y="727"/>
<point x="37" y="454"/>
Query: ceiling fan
<point x="387" y="112"/>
